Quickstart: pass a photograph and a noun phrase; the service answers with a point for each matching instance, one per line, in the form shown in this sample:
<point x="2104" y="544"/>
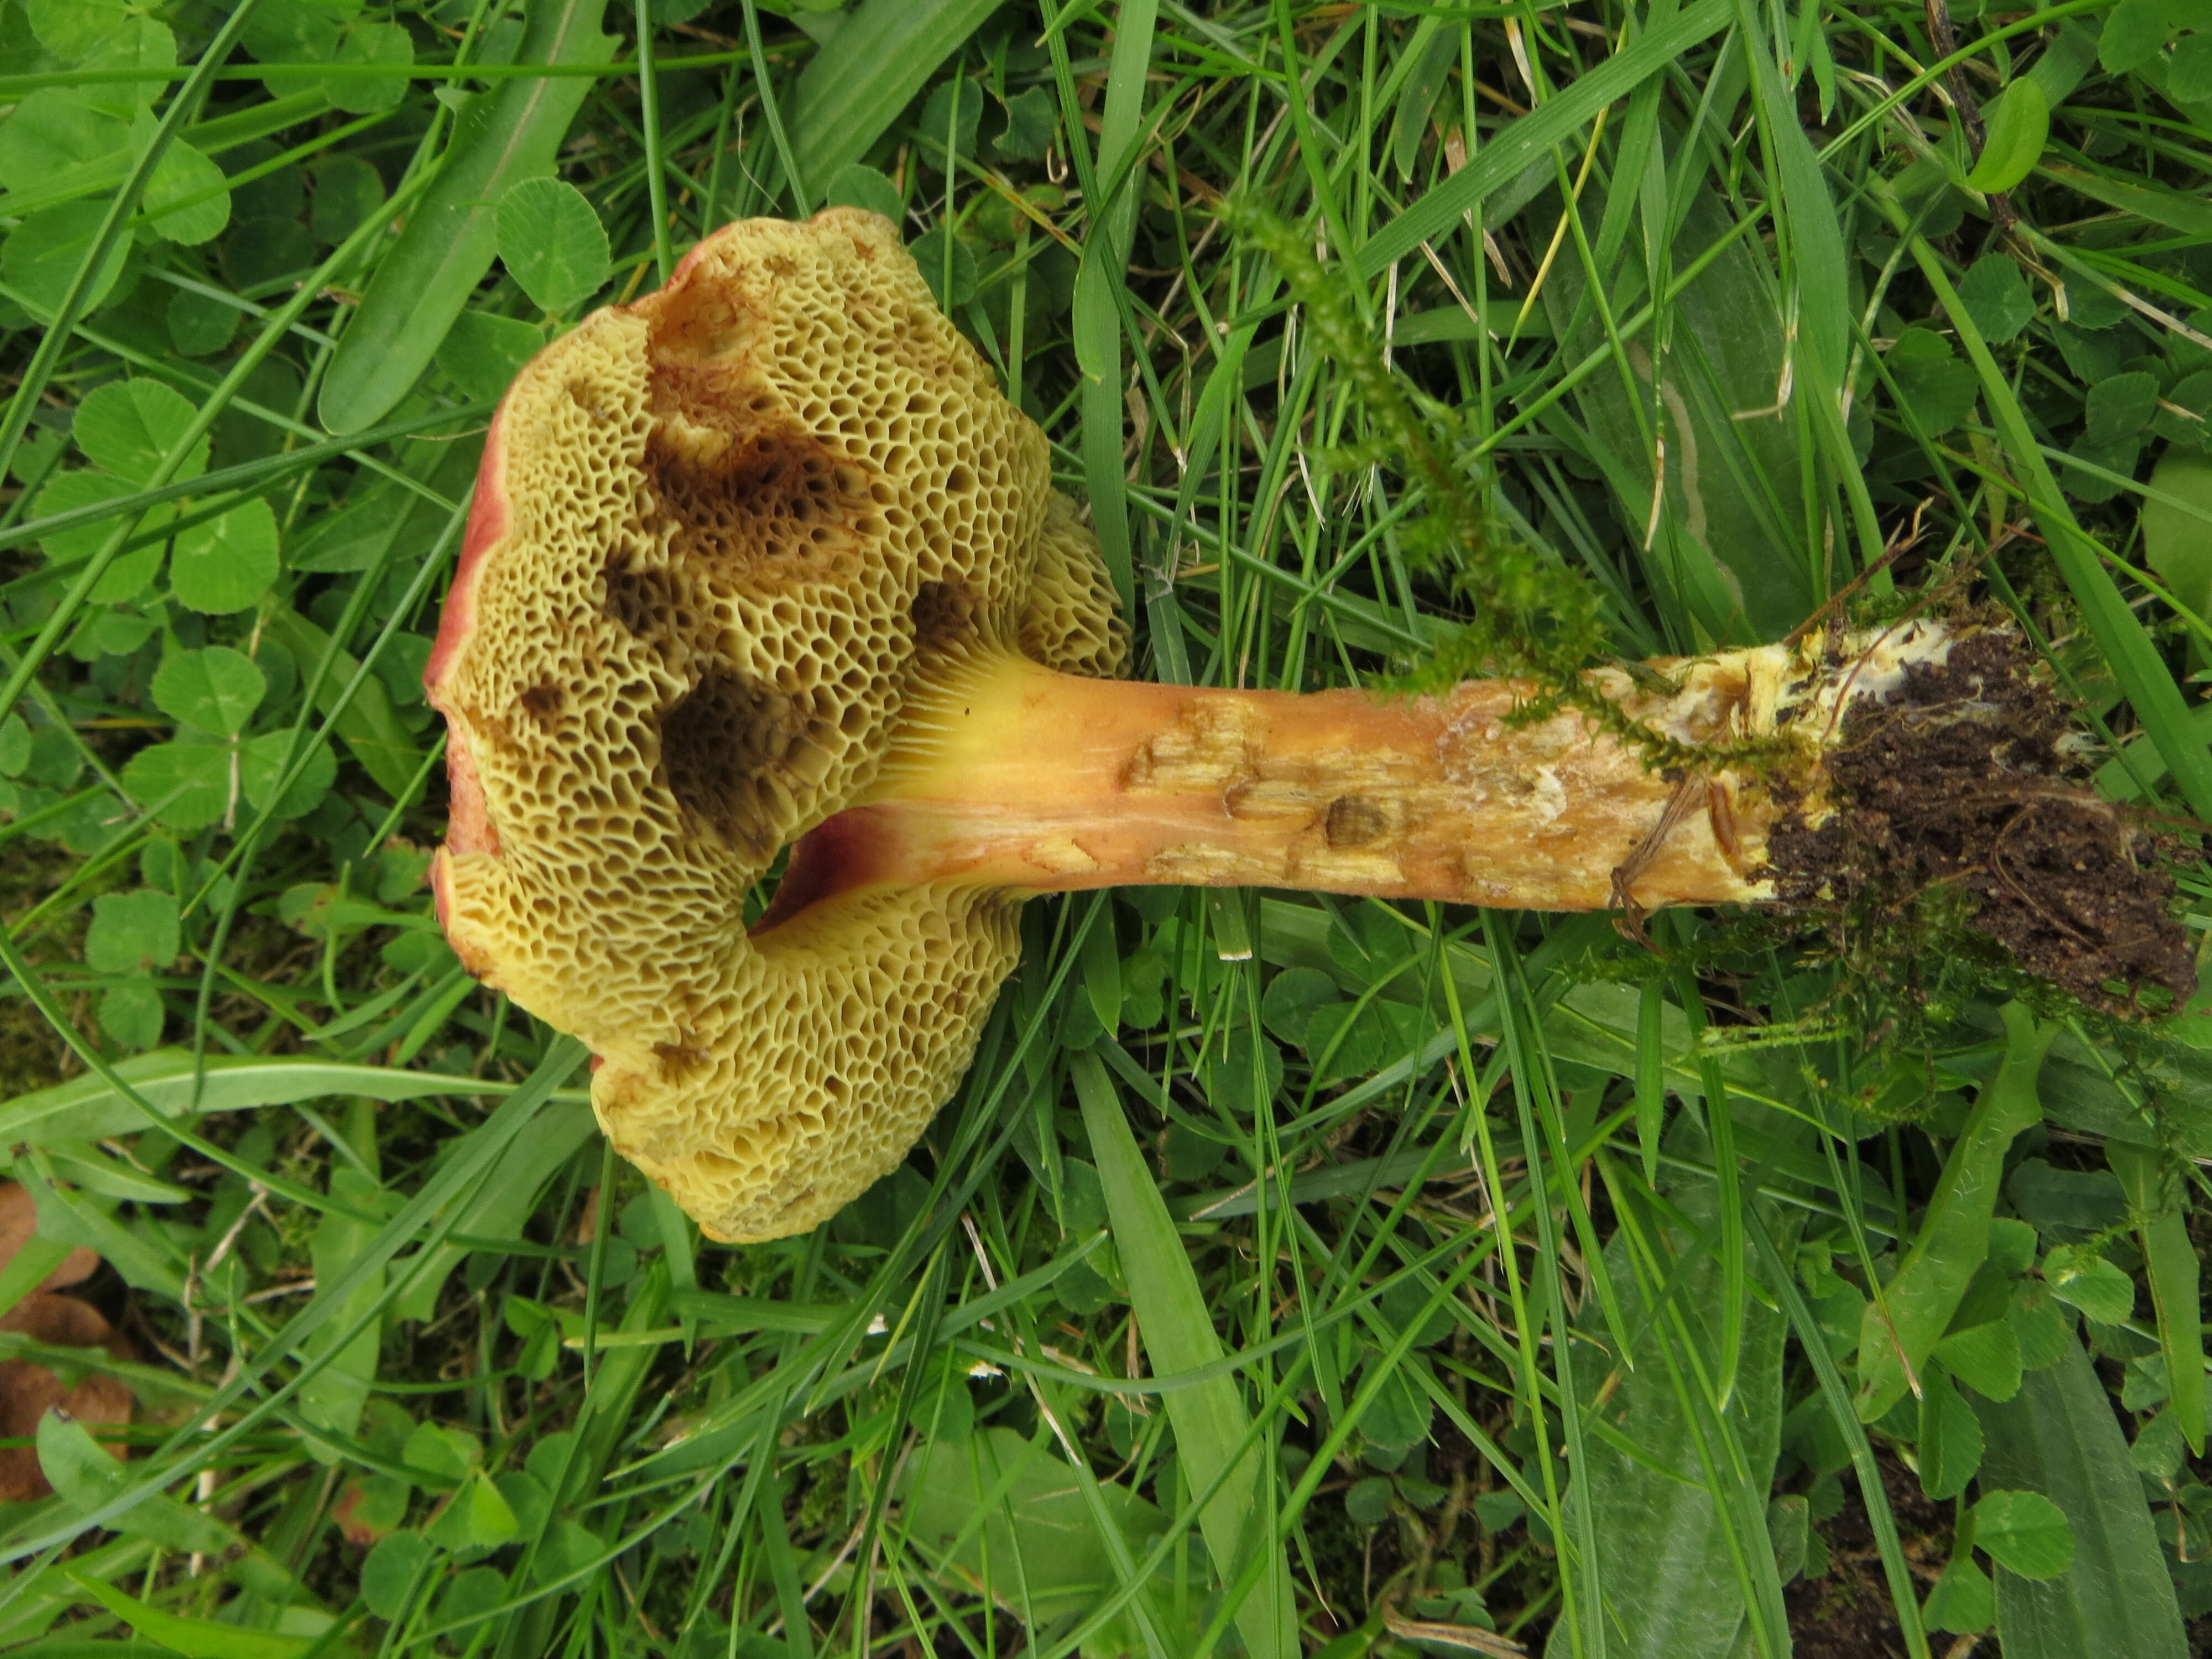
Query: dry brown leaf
<point x="28" y="1389"/>
<point x="18" y="1225"/>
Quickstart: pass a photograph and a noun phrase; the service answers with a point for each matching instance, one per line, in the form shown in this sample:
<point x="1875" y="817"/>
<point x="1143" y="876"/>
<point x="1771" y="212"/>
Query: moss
<point x="32" y="1054"/>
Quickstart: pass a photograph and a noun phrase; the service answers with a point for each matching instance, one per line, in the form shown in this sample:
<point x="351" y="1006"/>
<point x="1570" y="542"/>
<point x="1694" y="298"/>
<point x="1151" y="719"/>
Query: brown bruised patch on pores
<point x="763" y="504"/>
<point x="944" y="618"/>
<point x="649" y="603"/>
<point x="542" y="703"/>
<point x="679" y="1059"/>
<point x="759" y="493"/>
<point x="726" y="747"/>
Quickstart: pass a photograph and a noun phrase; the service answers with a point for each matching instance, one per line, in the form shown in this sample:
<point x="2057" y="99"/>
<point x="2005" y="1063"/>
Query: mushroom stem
<point x="1009" y="774"/>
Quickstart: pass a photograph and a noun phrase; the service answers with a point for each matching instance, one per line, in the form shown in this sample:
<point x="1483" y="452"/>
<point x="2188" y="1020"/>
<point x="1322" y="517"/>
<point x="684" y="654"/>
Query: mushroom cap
<point x="721" y="538"/>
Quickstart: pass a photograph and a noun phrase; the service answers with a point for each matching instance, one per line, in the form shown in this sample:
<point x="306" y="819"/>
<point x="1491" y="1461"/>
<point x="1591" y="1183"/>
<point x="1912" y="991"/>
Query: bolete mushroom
<point x="765" y="558"/>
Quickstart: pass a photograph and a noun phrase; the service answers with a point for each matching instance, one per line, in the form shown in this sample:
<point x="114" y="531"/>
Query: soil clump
<point x="1967" y="775"/>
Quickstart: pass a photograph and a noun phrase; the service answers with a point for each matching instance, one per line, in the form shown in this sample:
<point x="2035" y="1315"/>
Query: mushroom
<point x="765" y="560"/>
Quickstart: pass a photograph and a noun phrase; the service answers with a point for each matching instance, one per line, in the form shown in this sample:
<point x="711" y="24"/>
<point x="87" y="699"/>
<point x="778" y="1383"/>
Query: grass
<point x="1289" y="1274"/>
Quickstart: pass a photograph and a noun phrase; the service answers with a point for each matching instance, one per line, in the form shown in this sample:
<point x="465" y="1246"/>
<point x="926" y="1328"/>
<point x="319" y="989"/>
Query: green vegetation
<point x="1291" y="1275"/>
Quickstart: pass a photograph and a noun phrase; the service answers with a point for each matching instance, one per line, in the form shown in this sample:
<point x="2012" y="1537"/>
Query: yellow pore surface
<point x="746" y="520"/>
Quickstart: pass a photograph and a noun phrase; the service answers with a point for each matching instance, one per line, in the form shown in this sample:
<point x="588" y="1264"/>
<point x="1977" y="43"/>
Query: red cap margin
<point x="469" y="826"/>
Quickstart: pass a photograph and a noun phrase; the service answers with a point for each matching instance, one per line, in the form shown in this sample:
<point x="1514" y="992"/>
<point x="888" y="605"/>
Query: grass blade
<point x="2057" y="1436"/>
<point x="1835" y="1394"/>
<point x="90" y="1108"/>
<point x="1902" y="1326"/>
<point x="1698" y="1534"/>
<point x="427" y="276"/>
<point x="1502" y="158"/>
<point x="855" y="87"/>
<point x="2171" y="1265"/>
<point x="2119" y="633"/>
<point x="1112" y="192"/>
<point x="1210" y="1420"/>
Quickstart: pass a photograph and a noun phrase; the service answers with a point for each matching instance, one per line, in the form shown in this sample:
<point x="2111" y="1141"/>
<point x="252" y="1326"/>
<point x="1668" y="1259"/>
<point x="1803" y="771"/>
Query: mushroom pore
<point x="765" y="558"/>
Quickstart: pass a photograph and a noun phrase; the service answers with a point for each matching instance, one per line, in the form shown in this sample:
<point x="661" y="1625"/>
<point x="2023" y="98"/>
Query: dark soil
<point x="1845" y="1613"/>
<point x="1962" y="779"/>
